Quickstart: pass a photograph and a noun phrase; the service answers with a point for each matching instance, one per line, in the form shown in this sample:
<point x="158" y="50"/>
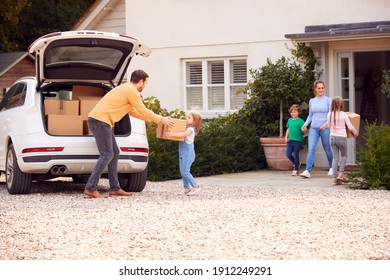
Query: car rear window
<point x="105" y="57"/>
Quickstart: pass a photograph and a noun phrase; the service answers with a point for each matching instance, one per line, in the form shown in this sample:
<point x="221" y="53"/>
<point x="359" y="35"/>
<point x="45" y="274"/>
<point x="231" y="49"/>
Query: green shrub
<point x="222" y="146"/>
<point x="373" y="159"/>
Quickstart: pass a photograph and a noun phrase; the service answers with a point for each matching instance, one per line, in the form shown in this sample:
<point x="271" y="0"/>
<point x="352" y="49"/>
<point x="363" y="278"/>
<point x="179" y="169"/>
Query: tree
<point x="23" y="21"/>
<point x="9" y="20"/>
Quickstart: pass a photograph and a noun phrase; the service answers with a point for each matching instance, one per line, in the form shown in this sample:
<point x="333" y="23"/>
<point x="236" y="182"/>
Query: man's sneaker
<point x="330" y="173"/>
<point x="295" y="173"/>
<point x="305" y="174"/>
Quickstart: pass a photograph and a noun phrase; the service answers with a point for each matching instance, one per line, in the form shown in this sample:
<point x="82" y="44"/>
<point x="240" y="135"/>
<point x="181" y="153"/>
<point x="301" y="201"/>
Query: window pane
<point x="238" y="72"/>
<point x="194" y="98"/>
<point x="344" y="68"/>
<point x="345" y="89"/>
<point x="95" y="55"/>
<point x="216" y="98"/>
<point x="216" y="72"/>
<point x="237" y="97"/>
<point x="194" y="73"/>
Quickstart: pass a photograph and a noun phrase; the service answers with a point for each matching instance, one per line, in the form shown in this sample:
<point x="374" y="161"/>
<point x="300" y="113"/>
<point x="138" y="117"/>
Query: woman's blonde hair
<point x="197" y="121"/>
<point x="315" y="84"/>
<point x="335" y="107"/>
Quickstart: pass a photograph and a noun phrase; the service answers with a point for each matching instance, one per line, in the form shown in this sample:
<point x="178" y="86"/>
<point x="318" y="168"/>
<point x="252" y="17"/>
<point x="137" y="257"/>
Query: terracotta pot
<point x="275" y="153"/>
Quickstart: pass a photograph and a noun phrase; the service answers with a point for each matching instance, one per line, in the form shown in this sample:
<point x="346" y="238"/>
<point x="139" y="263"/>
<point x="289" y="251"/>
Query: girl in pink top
<point x="337" y="120"/>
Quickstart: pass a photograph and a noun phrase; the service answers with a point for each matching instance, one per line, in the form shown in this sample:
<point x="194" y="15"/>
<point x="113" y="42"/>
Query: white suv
<point x="63" y="60"/>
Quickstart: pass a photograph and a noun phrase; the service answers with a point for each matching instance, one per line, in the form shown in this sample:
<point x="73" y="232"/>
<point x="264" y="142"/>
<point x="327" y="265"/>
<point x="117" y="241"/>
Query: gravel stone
<point x="284" y="221"/>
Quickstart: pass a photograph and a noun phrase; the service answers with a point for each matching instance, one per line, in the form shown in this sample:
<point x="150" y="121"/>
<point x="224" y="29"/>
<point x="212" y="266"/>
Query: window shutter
<point x="238" y="78"/>
<point x="194" y="85"/>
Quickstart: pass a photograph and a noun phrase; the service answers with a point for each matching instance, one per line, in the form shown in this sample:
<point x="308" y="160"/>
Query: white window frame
<point x="205" y="84"/>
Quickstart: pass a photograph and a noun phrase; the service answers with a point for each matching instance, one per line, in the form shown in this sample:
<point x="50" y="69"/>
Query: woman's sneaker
<point x="305" y="174"/>
<point x="295" y="173"/>
<point x="330" y="173"/>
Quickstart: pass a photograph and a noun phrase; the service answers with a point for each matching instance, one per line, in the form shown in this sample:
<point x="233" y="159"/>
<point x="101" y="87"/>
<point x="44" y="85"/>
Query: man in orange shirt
<point x="122" y="100"/>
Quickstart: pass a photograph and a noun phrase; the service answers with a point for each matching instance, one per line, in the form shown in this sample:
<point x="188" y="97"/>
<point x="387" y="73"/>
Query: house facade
<point x="13" y="66"/>
<point x="202" y="50"/>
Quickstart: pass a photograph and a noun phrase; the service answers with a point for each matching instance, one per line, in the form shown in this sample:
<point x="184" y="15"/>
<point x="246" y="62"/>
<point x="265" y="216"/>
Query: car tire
<point x="17" y="182"/>
<point x="133" y="182"/>
<point x="80" y="179"/>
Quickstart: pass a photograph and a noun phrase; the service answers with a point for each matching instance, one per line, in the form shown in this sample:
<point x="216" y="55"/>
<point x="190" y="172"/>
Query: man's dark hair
<point x="138" y="75"/>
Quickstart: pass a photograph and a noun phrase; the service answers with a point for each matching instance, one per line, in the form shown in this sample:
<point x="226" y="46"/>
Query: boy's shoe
<point x="195" y="190"/>
<point x="305" y="174"/>
<point x="295" y="173"/>
<point x="342" y="178"/>
<point x="330" y="173"/>
<point x="336" y="181"/>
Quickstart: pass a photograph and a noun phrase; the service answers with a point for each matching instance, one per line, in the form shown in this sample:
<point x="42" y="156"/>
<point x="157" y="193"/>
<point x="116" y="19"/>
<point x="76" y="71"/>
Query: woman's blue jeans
<point x="292" y="152"/>
<point x="314" y="135"/>
<point x="109" y="154"/>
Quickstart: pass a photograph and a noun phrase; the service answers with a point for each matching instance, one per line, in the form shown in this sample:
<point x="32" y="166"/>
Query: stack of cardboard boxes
<point x="69" y="116"/>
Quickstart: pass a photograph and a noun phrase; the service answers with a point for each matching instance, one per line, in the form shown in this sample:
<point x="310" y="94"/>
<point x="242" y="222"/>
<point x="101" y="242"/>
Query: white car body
<point x="28" y="152"/>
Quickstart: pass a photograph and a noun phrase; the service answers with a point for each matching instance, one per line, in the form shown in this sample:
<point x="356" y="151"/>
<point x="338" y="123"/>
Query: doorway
<point x="370" y="103"/>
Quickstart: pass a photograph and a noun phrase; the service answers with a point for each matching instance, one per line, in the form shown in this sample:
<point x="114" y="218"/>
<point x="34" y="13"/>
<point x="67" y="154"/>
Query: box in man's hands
<point x="178" y="126"/>
<point x="355" y="120"/>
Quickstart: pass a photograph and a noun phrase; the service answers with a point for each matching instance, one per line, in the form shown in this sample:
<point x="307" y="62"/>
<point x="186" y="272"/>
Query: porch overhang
<point x="339" y="32"/>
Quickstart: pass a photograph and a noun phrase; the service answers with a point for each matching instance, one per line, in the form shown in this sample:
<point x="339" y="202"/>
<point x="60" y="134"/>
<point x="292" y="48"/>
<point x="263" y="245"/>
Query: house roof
<point x="94" y="14"/>
<point x="348" y="31"/>
<point x="9" y="60"/>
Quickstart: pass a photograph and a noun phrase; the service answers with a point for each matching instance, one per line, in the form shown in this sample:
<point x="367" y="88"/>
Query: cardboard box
<point x="178" y="126"/>
<point x="87" y="103"/>
<point x="61" y="107"/>
<point x="78" y="91"/>
<point x="86" y="130"/>
<point x="65" y="124"/>
<point x="355" y="120"/>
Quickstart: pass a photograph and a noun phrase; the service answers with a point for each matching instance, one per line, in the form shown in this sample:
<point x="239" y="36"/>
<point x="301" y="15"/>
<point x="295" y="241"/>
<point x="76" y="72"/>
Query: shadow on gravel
<point x="62" y="185"/>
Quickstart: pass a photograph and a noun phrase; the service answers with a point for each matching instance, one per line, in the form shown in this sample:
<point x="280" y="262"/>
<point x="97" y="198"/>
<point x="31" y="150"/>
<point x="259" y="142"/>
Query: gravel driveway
<point x="278" y="221"/>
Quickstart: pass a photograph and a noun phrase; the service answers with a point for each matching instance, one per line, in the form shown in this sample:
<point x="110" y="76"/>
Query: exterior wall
<point x="176" y="30"/>
<point x="114" y="21"/>
<point x="25" y="67"/>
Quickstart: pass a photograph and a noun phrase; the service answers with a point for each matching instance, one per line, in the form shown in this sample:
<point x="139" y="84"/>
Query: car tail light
<point x="43" y="150"/>
<point x="134" y="150"/>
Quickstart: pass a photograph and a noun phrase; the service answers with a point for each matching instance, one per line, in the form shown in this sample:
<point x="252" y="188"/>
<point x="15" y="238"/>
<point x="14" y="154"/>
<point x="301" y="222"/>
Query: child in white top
<point x="187" y="151"/>
<point x="337" y="120"/>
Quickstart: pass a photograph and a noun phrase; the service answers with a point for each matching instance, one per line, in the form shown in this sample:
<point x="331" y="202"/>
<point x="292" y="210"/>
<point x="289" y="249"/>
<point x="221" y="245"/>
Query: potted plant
<point x="273" y="89"/>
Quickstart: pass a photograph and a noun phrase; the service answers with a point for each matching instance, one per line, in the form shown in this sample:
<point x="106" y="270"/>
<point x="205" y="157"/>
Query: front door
<point x="345" y="85"/>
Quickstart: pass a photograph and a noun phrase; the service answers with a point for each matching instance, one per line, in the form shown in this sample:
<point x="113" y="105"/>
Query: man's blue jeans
<point x="109" y="154"/>
<point x="314" y="135"/>
<point x="292" y="152"/>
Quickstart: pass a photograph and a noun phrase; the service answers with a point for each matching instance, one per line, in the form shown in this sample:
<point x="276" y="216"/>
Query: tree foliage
<point x="9" y="20"/>
<point x="23" y="21"/>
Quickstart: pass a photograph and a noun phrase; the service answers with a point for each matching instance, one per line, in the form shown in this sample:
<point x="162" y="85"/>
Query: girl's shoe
<point x="187" y="191"/>
<point x="330" y="173"/>
<point x="295" y="173"/>
<point x="336" y="181"/>
<point x="195" y="190"/>
<point x="342" y="178"/>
